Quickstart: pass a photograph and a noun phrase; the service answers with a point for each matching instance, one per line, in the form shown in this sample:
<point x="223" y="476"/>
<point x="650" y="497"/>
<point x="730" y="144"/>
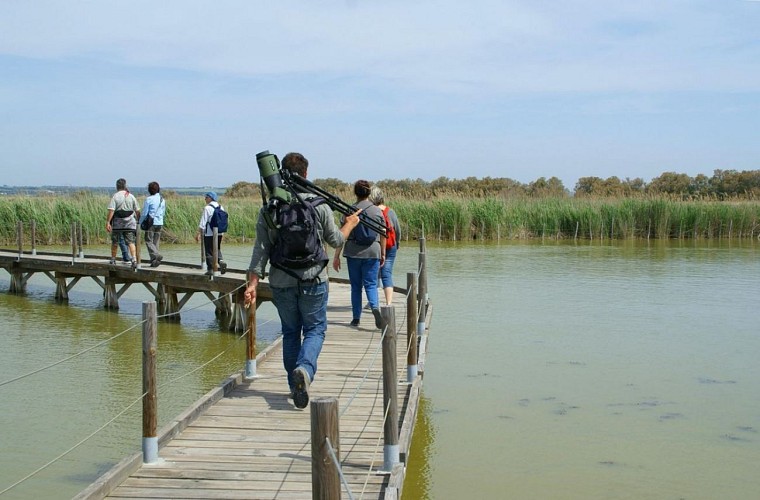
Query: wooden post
<point x="20" y="237"/>
<point x="110" y="295"/>
<point x="18" y="282"/>
<point x="215" y="251"/>
<point x="325" y="480"/>
<point x="422" y="292"/>
<point x="161" y="299"/>
<point x="61" y="288"/>
<point x="171" y="313"/>
<point x="79" y="239"/>
<point x="137" y="246"/>
<point x="150" y="387"/>
<point x="34" y="237"/>
<point x="250" y="352"/>
<point x="73" y="241"/>
<point x="203" y="249"/>
<point x="390" y="395"/>
<point x="411" y="327"/>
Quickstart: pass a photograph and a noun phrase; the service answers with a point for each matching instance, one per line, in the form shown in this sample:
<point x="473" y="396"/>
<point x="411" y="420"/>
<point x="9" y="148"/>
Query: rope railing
<point x="40" y="469"/>
<point x="103" y="342"/>
<point x="125" y="410"/>
<point x="334" y="458"/>
<point x="128" y="407"/>
<point x="417" y="305"/>
<point x="366" y="373"/>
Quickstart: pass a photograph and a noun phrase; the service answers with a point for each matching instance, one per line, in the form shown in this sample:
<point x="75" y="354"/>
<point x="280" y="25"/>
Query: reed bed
<point x="444" y="219"/>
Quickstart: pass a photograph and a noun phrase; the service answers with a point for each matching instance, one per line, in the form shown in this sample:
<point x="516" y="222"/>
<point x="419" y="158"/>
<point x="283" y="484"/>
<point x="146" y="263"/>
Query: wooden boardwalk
<point x="247" y="440"/>
<point x="171" y="284"/>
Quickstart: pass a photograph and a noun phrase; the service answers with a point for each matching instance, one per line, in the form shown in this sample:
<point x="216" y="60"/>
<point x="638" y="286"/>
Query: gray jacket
<point x="372" y="251"/>
<point x="265" y="238"/>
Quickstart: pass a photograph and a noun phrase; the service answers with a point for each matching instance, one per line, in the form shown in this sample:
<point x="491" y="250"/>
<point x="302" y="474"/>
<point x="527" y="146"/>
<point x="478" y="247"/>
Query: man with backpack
<point x="294" y="249"/>
<point x="121" y="221"/>
<point x="213" y="216"/>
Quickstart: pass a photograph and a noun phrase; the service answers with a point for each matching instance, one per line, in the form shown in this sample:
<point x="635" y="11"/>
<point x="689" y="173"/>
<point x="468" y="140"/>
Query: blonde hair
<point x="376" y="195"/>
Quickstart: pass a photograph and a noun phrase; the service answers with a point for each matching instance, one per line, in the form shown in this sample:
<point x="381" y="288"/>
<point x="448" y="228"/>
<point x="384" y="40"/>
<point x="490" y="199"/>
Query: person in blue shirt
<point x="154" y="206"/>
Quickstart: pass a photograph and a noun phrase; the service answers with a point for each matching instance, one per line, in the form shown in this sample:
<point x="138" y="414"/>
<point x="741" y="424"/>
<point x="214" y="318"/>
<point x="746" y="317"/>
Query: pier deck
<point x="245" y="439"/>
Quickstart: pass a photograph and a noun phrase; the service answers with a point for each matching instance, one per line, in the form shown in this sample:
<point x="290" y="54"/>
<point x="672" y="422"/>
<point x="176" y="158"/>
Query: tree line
<point x="722" y="185"/>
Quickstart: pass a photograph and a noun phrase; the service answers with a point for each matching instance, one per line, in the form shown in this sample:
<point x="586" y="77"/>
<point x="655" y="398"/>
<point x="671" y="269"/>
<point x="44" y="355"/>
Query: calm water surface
<point x="593" y="371"/>
<point x="555" y="370"/>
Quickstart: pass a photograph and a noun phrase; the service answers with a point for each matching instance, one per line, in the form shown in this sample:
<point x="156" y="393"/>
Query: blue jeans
<point x="303" y="311"/>
<point x="362" y="273"/>
<point x="386" y="272"/>
<point x="124" y="249"/>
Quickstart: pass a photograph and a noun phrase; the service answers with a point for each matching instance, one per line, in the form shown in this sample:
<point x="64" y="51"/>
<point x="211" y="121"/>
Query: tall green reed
<point x="447" y="218"/>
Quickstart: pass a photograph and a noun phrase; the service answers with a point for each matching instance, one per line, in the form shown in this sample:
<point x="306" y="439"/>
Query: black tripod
<point x="335" y="203"/>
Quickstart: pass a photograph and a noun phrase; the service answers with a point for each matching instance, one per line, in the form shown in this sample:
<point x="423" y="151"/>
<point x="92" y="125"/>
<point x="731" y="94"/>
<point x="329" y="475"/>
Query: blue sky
<point x="187" y="92"/>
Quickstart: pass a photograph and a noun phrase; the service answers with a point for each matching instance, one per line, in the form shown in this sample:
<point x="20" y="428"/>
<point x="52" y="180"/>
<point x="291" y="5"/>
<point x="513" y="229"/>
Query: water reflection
<point x="419" y="473"/>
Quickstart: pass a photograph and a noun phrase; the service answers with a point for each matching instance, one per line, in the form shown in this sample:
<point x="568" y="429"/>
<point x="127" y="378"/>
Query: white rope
<point x="72" y="356"/>
<point x="73" y="447"/>
<point x="339" y="468"/>
<point x="374" y="453"/>
<point x="366" y="373"/>
<point x="85" y="351"/>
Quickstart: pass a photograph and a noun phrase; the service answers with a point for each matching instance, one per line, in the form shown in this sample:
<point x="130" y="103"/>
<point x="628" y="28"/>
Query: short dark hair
<point x="154" y="188"/>
<point x="296" y="163"/>
<point x="121" y="184"/>
<point x="361" y="189"/>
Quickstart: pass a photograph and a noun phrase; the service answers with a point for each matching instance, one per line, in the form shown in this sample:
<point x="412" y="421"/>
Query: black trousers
<point x="208" y="246"/>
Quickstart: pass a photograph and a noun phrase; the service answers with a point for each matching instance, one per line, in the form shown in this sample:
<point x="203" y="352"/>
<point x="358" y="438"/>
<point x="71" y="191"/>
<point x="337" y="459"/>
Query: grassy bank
<point x="439" y="219"/>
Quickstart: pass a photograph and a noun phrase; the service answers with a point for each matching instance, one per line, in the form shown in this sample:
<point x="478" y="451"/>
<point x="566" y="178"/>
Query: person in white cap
<point x="206" y="230"/>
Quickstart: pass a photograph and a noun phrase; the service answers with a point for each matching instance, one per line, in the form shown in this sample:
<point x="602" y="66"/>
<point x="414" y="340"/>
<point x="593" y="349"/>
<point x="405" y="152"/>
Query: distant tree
<point x="730" y="183"/>
<point x="701" y="185"/>
<point x="671" y="183"/>
<point x="633" y="187"/>
<point x="333" y="185"/>
<point x="542" y="187"/>
<point x="243" y="189"/>
<point x="588" y="186"/>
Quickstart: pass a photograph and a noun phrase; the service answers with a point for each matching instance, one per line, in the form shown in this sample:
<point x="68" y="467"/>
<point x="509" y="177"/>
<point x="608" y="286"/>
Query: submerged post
<point x="325" y="477"/>
<point x="411" y="327"/>
<point x="250" y="361"/>
<point x="390" y="395"/>
<point x="150" y="387"/>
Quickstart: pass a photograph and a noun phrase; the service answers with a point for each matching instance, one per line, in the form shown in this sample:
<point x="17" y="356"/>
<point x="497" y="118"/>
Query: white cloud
<point x="443" y="46"/>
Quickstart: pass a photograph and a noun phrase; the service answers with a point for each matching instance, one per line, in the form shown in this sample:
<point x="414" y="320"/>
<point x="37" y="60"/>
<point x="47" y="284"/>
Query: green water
<point x="592" y="372"/>
<point x="554" y="370"/>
